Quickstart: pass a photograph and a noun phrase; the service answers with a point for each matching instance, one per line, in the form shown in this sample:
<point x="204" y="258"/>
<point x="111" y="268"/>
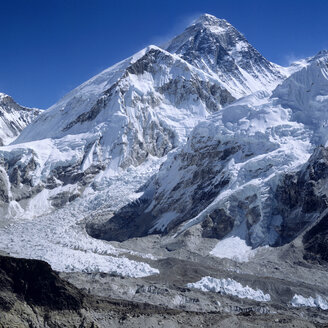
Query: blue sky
<point x="48" y="47"/>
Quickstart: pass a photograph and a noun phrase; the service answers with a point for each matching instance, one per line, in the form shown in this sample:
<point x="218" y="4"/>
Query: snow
<point x="319" y="301"/>
<point x="138" y="89"/>
<point x="140" y="109"/>
<point x="259" y="127"/>
<point x="229" y="287"/>
<point x="233" y="248"/>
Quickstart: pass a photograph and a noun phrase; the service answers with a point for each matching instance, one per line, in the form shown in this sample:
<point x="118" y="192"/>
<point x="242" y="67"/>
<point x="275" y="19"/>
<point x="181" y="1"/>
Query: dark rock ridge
<point x="35" y="283"/>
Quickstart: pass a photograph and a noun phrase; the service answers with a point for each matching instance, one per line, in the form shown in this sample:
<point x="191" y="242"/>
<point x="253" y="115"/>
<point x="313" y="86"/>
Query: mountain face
<point x="144" y="105"/>
<point x="236" y="174"/>
<point x="139" y="109"/>
<point x="216" y="47"/>
<point x="13" y="118"/>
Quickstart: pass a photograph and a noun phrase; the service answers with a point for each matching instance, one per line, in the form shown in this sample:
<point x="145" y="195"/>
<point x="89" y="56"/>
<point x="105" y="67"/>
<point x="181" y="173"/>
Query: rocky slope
<point x="13" y="118"/>
<point x="32" y="295"/>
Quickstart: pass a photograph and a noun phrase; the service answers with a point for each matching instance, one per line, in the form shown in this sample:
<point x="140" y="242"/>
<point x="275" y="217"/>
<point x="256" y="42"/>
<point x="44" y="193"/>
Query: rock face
<point x="32" y="295"/>
<point x="13" y="118"/>
<point x="236" y="173"/>
<point x="302" y="197"/>
<point x="35" y="283"/>
<point x="315" y="241"/>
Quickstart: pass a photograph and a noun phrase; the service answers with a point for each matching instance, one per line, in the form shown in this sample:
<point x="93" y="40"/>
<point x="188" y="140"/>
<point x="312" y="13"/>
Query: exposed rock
<point x="302" y="196"/>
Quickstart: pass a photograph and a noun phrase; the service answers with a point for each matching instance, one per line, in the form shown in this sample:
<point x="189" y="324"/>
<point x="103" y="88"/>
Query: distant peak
<point x="320" y="54"/>
<point x="5" y="97"/>
<point x="209" y="20"/>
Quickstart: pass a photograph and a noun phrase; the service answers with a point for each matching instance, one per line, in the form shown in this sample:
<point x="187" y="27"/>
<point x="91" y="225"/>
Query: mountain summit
<point x="215" y="46"/>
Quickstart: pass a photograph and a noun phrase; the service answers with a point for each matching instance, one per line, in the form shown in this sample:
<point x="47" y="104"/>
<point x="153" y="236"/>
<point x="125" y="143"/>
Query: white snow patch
<point x="233" y="248"/>
<point x="229" y="287"/>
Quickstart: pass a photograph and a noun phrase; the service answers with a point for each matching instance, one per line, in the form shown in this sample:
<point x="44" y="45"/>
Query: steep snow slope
<point x="152" y="90"/>
<point x="13" y="118"/>
<point x="225" y="177"/>
<point x="305" y="92"/>
<point x="216" y="47"/>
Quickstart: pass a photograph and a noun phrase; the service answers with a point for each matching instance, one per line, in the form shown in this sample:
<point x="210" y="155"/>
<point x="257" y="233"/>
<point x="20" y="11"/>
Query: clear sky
<point x="48" y="47"/>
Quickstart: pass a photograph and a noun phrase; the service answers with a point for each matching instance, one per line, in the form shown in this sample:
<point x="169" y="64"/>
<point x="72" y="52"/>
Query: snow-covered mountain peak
<point x="138" y="109"/>
<point x="13" y="118"/>
<point x="216" y="47"/>
<point x="321" y="54"/>
<point x="6" y="99"/>
<point x="210" y="21"/>
<point x="231" y="176"/>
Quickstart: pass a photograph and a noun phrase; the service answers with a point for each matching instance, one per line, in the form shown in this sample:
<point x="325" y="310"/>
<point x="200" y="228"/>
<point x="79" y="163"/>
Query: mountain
<point x="13" y="118"/>
<point x="234" y="175"/>
<point x="216" y="47"/>
<point x="196" y="171"/>
<point x="135" y="111"/>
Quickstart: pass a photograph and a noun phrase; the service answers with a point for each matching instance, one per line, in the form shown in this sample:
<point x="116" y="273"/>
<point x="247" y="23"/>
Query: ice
<point x="319" y="301"/>
<point x="229" y="287"/>
<point x="59" y="236"/>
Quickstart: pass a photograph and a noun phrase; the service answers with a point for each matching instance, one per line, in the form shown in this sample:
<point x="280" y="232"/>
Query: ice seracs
<point x="229" y="287"/>
<point x="319" y="301"/>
